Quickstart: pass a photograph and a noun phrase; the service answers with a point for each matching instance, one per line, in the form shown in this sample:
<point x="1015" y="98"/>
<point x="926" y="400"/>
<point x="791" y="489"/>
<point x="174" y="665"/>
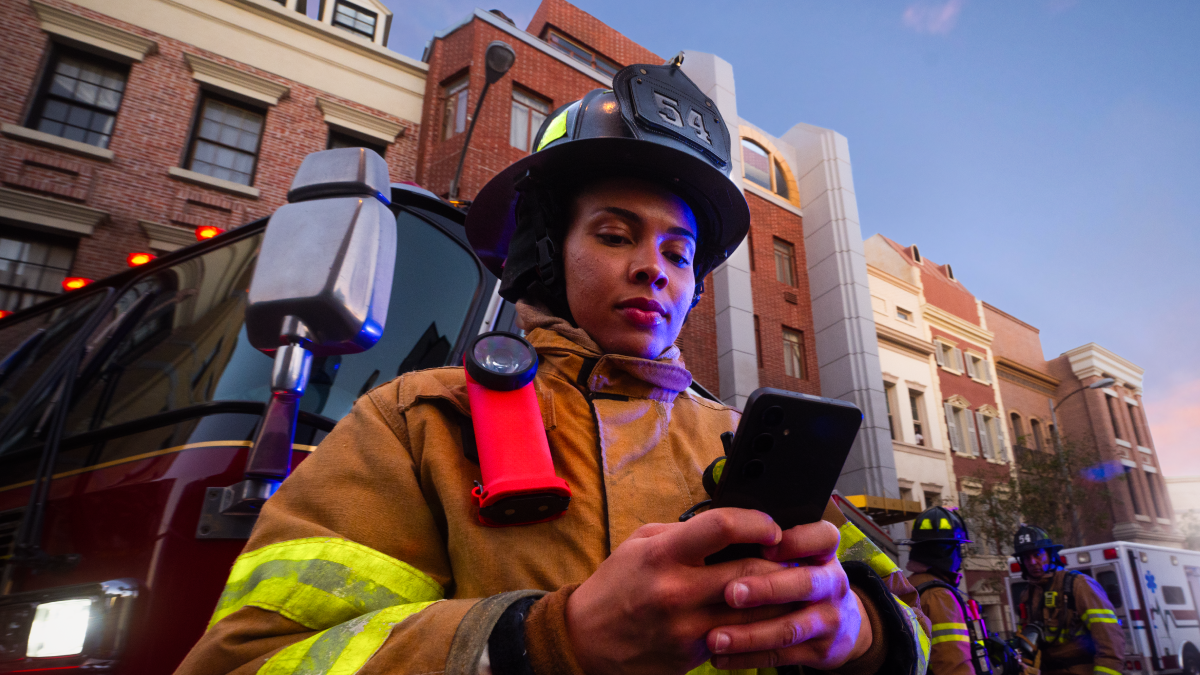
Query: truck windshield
<point x="183" y="343"/>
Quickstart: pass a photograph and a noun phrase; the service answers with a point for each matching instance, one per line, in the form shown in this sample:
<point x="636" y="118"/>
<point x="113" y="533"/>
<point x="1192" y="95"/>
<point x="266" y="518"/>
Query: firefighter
<point x="371" y="556"/>
<point x="935" y="561"/>
<point x="1080" y="632"/>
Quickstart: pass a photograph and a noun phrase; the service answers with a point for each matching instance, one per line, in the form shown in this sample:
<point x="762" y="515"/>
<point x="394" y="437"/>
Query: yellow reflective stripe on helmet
<point x="944" y="524"/>
<point x="556" y="130"/>
<point x="926" y="524"/>
<point x="855" y="546"/>
<point x="923" y="643"/>
<point x="1106" y="671"/>
<point x="321" y="582"/>
<point x="343" y="649"/>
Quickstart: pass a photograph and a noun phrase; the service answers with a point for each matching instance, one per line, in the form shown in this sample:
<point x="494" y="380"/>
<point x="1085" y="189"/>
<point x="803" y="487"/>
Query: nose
<point x="647" y="269"/>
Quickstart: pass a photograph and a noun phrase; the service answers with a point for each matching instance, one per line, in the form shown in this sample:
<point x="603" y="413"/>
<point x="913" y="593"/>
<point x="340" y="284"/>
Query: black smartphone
<point x="785" y="459"/>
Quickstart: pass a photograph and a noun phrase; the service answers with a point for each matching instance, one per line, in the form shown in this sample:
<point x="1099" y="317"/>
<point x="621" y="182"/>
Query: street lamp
<point x="1098" y="384"/>
<point x="497" y="60"/>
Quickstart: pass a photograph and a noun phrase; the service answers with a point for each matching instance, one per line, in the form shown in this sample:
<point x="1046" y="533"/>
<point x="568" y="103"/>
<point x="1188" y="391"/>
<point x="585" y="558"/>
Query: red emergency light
<point x="1110" y="554"/>
<point x="75" y="283"/>
<point x="207" y="232"/>
<point x="5" y="313"/>
<point x="1014" y="567"/>
<point x="138" y="259"/>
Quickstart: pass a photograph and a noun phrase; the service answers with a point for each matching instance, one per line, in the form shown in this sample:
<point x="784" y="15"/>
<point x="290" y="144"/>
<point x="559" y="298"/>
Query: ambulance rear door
<point x="1109" y="577"/>
<point x="1148" y="574"/>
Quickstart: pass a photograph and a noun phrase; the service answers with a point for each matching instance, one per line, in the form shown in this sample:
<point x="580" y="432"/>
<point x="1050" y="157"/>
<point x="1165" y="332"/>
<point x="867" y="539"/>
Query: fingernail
<point x="740" y="593"/>
<point x="721" y="643"/>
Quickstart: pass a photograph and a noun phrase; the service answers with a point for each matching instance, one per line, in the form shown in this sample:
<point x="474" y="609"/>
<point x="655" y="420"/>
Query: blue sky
<point x="1049" y="150"/>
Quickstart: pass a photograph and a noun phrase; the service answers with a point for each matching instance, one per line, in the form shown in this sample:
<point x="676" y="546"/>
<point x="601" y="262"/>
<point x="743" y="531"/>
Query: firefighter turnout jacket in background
<point x="951" y="651"/>
<point x="1082" y="636"/>
<point x="371" y="559"/>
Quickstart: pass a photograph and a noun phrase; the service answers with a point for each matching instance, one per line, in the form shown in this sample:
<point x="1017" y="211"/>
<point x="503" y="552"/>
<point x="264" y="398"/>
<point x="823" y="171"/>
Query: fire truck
<point x="1153" y="590"/>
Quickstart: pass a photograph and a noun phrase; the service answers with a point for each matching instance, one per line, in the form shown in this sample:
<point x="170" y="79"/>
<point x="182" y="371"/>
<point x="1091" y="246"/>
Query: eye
<point x="679" y="259"/>
<point x="611" y="239"/>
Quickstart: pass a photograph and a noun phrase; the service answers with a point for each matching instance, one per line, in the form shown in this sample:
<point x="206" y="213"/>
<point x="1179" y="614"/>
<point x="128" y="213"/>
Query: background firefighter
<point x="1080" y="631"/>
<point x="935" y="561"/>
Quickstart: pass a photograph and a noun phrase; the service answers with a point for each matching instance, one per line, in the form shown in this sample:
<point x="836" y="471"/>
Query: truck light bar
<point x="75" y="283"/>
<point x="207" y="232"/>
<point x="1110" y="554"/>
<point x="139" y="258"/>
<point x="1014" y="567"/>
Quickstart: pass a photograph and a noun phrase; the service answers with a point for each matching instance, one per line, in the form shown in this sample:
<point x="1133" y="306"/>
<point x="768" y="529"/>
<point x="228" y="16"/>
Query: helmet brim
<point x="943" y="540"/>
<point x="720" y="208"/>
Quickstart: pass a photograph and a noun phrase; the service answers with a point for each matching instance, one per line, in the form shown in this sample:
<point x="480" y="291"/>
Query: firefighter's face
<point x="1036" y="563"/>
<point x="628" y="264"/>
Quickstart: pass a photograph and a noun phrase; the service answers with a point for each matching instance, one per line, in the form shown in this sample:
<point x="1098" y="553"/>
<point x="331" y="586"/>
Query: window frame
<point x="333" y="19"/>
<point x="790" y="254"/>
<point x="334" y="132"/>
<point x="26" y="236"/>
<point x="530" y="128"/>
<point x="889" y="398"/>
<point x="776" y="169"/>
<point x="595" y="57"/>
<point x="802" y="366"/>
<point x="456" y="86"/>
<point x="916" y="402"/>
<point x="42" y="93"/>
<point x="198" y="121"/>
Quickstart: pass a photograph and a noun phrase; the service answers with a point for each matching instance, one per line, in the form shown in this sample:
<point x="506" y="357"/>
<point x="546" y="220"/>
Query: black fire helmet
<point x="654" y="124"/>
<point x="937" y="534"/>
<point x="1031" y="538"/>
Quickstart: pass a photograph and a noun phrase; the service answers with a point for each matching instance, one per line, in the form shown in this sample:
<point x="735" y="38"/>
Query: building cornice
<point x="1026" y="376"/>
<point x="918" y="450"/>
<point x="903" y="341"/>
<point x="947" y="321"/>
<point x="892" y="279"/>
<point x="1092" y="360"/>
<point x="358" y="121"/>
<point x="51" y="214"/>
<point x="87" y="32"/>
<point x="235" y="82"/>
<point x="167" y="237"/>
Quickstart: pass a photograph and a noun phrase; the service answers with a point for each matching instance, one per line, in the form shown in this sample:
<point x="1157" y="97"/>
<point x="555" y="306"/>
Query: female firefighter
<point x="371" y="557"/>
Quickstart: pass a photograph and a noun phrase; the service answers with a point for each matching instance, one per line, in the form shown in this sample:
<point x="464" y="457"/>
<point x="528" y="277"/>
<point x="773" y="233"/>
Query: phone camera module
<point x="754" y="469"/>
<point x="772" y="416"/>
<point x="763" y="443"/>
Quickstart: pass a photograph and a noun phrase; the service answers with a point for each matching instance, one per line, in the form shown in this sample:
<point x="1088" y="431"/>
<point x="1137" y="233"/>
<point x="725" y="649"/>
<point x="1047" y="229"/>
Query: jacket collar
<point x="571" y="353"/>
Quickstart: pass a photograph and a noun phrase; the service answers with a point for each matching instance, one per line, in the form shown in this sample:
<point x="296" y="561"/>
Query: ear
<point x="696" y="295"/>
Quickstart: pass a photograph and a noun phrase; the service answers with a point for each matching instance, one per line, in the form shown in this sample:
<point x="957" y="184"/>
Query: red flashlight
<point x="519" y="485"/>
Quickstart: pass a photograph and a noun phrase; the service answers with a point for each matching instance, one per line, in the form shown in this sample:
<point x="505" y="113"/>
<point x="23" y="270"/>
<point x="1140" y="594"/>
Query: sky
<point x="1048" y="149"/>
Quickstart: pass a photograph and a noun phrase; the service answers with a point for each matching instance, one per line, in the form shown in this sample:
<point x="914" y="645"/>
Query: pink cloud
<point x="935" y="19"/>
<point x="1174" y="418"/>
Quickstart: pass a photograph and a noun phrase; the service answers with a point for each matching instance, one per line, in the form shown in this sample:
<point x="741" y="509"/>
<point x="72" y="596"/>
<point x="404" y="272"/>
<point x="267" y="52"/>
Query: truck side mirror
<point x="321" y="287"/>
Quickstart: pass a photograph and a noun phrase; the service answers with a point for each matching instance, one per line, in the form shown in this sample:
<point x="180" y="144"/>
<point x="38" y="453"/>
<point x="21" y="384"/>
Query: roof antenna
<point x="676" y="60"/>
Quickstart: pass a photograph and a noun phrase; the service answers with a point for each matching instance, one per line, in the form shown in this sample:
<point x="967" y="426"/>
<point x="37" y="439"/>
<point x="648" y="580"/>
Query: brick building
<point x="788" y="309"/>
<point x="127" y="125"/>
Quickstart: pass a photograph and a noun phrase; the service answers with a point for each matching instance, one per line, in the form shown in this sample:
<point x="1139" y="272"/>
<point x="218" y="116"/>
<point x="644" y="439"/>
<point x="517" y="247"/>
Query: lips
<point x="642" y="312"/>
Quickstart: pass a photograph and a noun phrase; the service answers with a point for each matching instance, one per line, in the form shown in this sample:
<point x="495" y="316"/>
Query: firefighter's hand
<point x="649" y="607"/>
<point x="825" y="629"/>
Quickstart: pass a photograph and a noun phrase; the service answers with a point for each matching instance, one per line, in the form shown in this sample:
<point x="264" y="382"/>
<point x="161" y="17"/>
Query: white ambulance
<point x="1153" y="590"/>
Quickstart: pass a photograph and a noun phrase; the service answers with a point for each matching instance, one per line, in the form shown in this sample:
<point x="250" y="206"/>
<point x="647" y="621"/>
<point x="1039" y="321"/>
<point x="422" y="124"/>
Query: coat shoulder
<point x="409" y="390"/>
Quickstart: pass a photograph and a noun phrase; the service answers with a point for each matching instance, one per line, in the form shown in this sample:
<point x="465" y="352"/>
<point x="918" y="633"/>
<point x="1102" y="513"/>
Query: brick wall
<point x="698" y="341"/>
<point x="585" y="28"/>
<point x="150" y="136"/>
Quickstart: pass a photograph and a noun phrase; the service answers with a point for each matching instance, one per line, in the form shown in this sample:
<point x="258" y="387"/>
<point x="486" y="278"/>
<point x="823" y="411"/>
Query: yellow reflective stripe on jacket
<point x="923" y="644"/>
<point x="856" y="546"/>
<point x="343" y="649"/>
<point x="320" y="582"/>
<point x="950" y="632"/>
<point x="1106" y="671"/>
<point x="1092" y="616"/>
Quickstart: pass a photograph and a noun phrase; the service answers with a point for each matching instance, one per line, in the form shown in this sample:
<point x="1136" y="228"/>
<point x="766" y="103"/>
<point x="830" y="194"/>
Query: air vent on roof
<point x="915" y="253"/>
<point x="502" y="15"/>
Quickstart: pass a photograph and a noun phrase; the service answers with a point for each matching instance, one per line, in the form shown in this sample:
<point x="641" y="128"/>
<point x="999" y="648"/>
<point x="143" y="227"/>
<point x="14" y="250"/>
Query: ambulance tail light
<point x="1110" y="554"/>
<point x="5" y="313"/>
<point x="1014" y="567"/>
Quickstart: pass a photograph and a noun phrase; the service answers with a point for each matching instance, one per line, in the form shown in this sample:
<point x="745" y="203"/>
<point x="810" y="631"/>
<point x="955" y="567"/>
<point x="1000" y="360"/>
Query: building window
<point x="765" y="171"/>
<point x="916" y="402"/>
<point x="904" y="315"/>
<point x="785" y="262"/>
<point x="1155" y="498"/>
<point x="528" y="113"/>
<point x="948" y="356"/>
<point x="80" y="97"/>
<point x="758" y="341"/>
<point x="582" y="54"/>
<point x="226" y="140"/>
<point x="1018" y="431"/>
<point x="889" y="396"/>
<point x="933" y="499"/>
<point x="978" y="367"/>
<point x="960" y="423"/>
<point x="338" y="139"/>
<point x="793" y="353"/>
<point x="32" y="268"/>
<point x="1035" y="430"/>
<point x="454" y="98"/>
<point x="1133" y="422"/>
<point x="1112" y="416"/>
<point x="990" y="436"/>
<point x="1137" y="504"/>
<point x="354" y="19"/>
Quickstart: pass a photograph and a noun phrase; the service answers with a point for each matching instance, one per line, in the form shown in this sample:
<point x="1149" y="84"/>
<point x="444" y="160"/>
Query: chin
<point x="636" y="346"/>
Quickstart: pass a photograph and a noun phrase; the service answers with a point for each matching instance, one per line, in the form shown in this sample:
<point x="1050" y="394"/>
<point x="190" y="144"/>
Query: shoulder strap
<point x="938" y="583"/>
<point x="1069" y="588"/>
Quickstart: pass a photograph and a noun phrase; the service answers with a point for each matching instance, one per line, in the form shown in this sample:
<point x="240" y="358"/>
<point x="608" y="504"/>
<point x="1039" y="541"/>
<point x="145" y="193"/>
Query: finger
<point x="713" y="530"/>
<point x="708" y="583"/>
<point x="816" y="541"/>
<point x="652" y="530"/>
<point x="811" y="583"/>
<point x="776" y="634"/>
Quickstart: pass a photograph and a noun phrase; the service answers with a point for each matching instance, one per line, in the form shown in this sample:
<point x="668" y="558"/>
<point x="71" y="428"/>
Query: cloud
<point x="935" y="19"/>
<point x="1175" y="425"/>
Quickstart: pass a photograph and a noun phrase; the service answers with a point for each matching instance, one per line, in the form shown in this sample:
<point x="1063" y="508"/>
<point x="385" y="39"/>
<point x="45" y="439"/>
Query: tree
<point x="1189" y="525"/>
<point x="1038" y="493"/>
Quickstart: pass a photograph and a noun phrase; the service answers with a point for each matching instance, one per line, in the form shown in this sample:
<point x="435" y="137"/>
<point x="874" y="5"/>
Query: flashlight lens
<point x="503" y="355"/>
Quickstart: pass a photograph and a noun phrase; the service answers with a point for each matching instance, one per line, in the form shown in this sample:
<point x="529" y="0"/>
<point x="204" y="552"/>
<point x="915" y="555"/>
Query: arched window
<point x="765" y="170"/>
<point x="1035" y="428"/>
<point x="1018" y="432"/>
